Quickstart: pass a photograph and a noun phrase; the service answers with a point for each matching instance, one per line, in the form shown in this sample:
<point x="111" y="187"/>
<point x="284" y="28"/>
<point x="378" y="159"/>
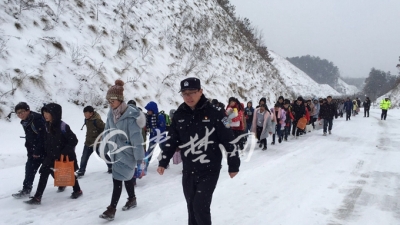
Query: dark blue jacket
<point x="155" y="121"/>
<point x="348" y="105"/>
<point x="35" y="133"/>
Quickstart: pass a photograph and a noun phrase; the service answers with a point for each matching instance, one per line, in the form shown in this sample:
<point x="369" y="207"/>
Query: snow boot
<point x="22" y="193"/>
<point x="33" y="201"/>
<point x="330" y="132"/>
<point x="109" y="214"/>
<point x="80" y="174"/>
<point x="109" y="170"/>
<point x="272" y="143"/>
<point x="131" y="203"/>
<point x="61" y="189"/>
<point x="265" y="148"/>
<point x="76" y="194"/>
<point x="324" y="134"/>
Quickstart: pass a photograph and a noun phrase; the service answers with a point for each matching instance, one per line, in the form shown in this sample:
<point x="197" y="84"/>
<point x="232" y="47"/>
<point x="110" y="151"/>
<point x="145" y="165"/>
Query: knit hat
<point x="116" y="92"/>
<point x="22" y="105"/>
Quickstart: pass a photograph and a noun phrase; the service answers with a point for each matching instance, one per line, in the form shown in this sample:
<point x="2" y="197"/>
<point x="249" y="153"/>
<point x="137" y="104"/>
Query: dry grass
<point x="58" y="46"/>
<point x="18" y="26"/>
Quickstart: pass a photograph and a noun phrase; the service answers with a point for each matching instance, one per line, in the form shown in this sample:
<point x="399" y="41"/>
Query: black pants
<point x="366" y="112"/>
<point x="31" y="167"/>
<point x="117" y="190"/>
<point x="348" y="114"/>
<point x="328" y="123"/>
<point x="294" y="127"/>
<point x="45" y="172"/>
<point x="258" y="135"/>
<point x="313" y="120"/>
<point x="87" y="151"/>
<point x="198" y="190"/>
<point x="384" y="114"/>
<point x="240" y="143"/>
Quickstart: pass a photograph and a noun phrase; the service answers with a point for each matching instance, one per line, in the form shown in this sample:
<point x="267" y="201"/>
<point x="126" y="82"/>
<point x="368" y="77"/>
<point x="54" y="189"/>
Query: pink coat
<point x="281" y="117"/>
<point x="267" y="126"/>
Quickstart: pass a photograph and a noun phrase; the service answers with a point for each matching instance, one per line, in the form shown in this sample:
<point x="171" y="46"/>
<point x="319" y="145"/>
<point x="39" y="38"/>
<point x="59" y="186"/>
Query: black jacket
<point x="367" y="104"/>
<point x="298" y="111"/>
<point x="59" y="139"/>
<point x="328" y="111"/>
<point x="186" y="125"/>
<point x="35" y="133"/>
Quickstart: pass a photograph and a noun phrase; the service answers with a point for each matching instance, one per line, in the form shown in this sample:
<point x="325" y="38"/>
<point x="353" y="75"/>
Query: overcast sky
<point x="355" y="35"/>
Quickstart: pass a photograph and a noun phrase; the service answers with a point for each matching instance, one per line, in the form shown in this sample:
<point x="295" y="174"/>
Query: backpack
<point x="166" y="118"/>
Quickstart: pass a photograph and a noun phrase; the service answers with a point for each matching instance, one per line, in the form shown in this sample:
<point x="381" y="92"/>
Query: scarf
<point x="117" y="112"/>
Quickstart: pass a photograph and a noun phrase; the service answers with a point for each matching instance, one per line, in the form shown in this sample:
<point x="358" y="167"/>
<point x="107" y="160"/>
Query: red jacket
<point x="238" y="118"/>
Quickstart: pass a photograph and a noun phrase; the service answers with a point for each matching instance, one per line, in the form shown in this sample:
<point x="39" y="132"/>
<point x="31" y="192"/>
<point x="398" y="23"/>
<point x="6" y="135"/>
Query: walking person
<point x="128" y="121"/>
<point x="201" y="164"/>
<point x="289" y="118"/>
<point x="298" y="111"/>
<point x="279" y="116"/>
<point x="348" y="106"/>
<point x="60" y="140"/>
<point x="328" y="111"/>
<point x="385" y="106"/>
<point x="35" y="133"/>
<point x="236" y="124"/>
<point x="249" y="112"/>
<point x="367" y="106"/>
<point x="94" y="127"/>
<point x="262" y="125"/>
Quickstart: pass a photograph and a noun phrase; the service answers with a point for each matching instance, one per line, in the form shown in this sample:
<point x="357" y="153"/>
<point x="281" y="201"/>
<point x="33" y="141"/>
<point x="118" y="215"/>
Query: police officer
<point x="198" y="129"/>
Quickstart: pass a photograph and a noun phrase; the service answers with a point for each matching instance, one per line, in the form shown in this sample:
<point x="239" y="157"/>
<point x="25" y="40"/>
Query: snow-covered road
<point x="349" y="177"/>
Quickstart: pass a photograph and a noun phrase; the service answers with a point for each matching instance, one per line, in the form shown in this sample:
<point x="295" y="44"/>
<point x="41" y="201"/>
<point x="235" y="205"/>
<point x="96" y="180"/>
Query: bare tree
<point x="3" y="45"/>
<point x="50" y="56"/>
<point x="77" y="54"/>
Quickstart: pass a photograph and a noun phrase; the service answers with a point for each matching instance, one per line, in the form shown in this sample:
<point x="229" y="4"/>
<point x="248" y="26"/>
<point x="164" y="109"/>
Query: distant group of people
<point x="183" y="131"/>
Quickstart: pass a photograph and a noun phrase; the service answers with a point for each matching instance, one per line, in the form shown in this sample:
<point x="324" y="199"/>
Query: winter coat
<point x="385" y="104"/>
<point x="267" y="126"/>
<point x="94" y="126"/>
<point x="355" y="105"/>
<point x="281" y="118"/>
<point x="197" y="155"/>
<point x="249" y="113"/>
<point x="35" y="134"/>
<point x="237" y="122"/>
<point x="367" y="104"/>
<point x="289" y="116"/>
<point x="59" y="138"/>
<point x="348" y="105"/>
<point x="156" y="121"/>
<point x="328" y="111"/>
<point x="358" y="102"/>
<point x="317" y="107"/>
<point x="298" y="111"/>
<point x="313" y="110"/>
<point x="128" y="143"/>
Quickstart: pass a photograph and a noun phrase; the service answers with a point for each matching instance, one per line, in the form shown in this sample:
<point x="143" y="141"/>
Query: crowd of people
<point x="181" y="132"/>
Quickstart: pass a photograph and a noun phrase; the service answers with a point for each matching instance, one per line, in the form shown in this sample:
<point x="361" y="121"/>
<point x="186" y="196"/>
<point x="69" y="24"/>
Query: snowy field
<point x="349" y="177"/>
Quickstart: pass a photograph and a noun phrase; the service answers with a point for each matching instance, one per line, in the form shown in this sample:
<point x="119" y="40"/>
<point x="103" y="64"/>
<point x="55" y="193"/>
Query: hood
<point x="152" y="106"/>
<point x="55" y="110"/>
<point x="95" y="116"/>
<point x="133" y="112"/>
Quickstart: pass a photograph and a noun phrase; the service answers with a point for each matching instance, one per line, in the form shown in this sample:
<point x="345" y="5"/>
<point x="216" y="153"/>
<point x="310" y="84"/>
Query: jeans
<point x="287" y="129"/>
<point x="31" y="167"/>
<point x="198" y="190"/>
<point x="87" y="152"/>
<point x="348" y="114"/>
<point x="150" y="150"/>
<point x="278" y="132"/>
<point x="326" y="123"/>
<point x="248" y="126"/>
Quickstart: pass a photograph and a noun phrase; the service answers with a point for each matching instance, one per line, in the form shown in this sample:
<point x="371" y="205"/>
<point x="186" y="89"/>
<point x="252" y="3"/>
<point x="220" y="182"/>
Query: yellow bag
<point x="64" y="172"/>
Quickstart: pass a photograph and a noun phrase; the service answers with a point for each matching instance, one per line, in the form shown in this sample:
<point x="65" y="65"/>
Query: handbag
<point x="64" y="172"/>
<point x="301" y="124"/>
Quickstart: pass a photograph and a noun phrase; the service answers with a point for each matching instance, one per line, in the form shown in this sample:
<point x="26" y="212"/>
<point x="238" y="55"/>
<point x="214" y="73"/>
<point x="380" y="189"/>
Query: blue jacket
<point x="128" y="142"/>
<point x="155" y="121"/>
<point x="348" y="105"/>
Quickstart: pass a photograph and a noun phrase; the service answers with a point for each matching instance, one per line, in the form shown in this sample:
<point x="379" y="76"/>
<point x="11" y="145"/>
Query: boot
<point x="22" y="194"/>
<point x="109" y="214"/>
<point x="33" y="201"/>
<point x="131" y="203"/>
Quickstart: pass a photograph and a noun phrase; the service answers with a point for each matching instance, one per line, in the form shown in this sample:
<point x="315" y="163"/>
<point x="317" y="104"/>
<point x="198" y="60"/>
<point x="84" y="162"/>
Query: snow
<point x="345" y="88"/>
<point x="350" y="177"/>
<point x="166" y="41"/>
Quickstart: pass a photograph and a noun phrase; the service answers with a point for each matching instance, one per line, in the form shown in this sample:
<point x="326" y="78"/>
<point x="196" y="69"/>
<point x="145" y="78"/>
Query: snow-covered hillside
<point x="393" y="95"/>
<point x="346" y="89"/>
<point x="74" y="50"/>
<point x="298" y="81"/>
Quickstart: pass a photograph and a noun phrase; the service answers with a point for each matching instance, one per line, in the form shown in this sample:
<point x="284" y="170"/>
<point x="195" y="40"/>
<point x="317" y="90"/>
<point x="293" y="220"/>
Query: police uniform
<point x="201" y="135"/>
